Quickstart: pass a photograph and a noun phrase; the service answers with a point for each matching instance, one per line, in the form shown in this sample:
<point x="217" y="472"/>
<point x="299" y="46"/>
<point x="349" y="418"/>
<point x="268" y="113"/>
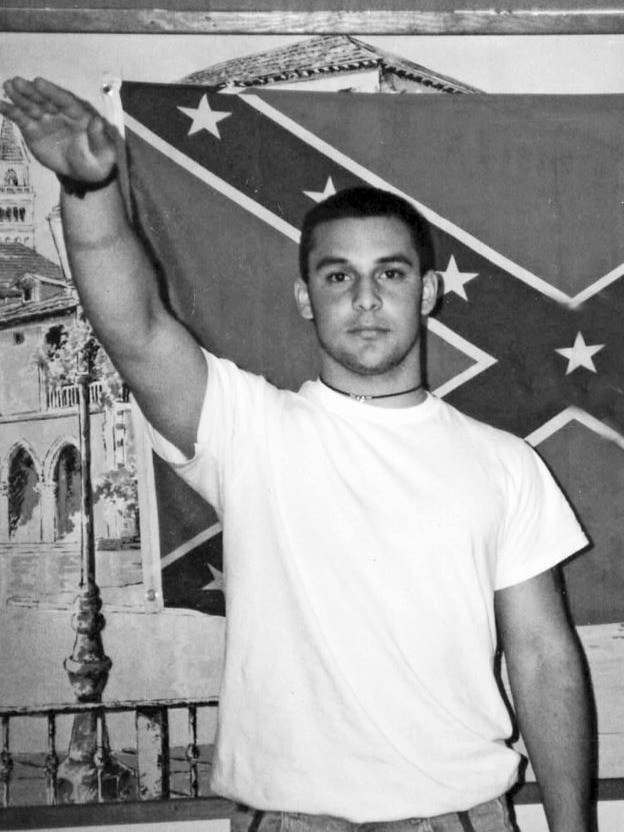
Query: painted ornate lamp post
<point x="89" y="773"/>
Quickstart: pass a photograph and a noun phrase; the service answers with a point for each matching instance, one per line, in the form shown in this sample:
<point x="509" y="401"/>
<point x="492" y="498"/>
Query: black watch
<point x="78" y="188"/>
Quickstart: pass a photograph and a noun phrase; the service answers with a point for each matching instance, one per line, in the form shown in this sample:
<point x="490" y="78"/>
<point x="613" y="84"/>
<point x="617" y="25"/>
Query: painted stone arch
<point x="63" y="473"/>
<point x="5" y="460"/>
<point x="23" y="478"/>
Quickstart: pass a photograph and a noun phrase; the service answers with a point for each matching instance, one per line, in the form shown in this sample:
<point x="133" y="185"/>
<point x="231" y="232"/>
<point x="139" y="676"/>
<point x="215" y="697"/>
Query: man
<point x="375" y="538"/>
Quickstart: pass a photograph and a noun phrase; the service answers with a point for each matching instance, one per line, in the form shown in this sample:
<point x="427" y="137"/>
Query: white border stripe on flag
<point x="482" y="359"/>
<point x="189" y="545"/>
<point x="211" y="180"/>
<point x="574" y="414"/>
<point x="441" y="222"/>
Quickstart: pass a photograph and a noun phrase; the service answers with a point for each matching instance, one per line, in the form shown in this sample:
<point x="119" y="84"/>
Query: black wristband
<point x="78" y="188"/>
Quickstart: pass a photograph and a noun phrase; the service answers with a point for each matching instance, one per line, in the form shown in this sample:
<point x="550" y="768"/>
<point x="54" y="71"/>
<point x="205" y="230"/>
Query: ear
<point x="302" y="299"/>
<point x="429" y="292"/>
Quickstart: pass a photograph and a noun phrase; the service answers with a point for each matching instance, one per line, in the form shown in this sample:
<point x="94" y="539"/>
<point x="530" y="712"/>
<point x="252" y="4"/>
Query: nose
<point x="366" y="294"/>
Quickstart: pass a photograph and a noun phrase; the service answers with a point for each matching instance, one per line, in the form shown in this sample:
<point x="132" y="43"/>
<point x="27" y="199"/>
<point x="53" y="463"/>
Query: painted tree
<point x="71" y="352"/>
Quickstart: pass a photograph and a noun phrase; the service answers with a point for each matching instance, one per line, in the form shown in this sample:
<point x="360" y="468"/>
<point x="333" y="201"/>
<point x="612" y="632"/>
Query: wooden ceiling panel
<point x="401" y="17"/>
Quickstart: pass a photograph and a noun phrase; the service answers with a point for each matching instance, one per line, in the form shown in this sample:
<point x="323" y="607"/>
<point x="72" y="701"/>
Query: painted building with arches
<point x="39" y="439"/>
<point x="40" y="471"/>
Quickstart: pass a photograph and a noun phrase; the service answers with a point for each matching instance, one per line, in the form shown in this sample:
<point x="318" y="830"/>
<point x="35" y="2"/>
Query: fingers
<point x="30" y="91"/>
<point x="40" y="97"/>
<point x="21" y="94"/>
<point x="62" y="99"/>
<point x="26" y="106"/>
<point x="16" y="115"/>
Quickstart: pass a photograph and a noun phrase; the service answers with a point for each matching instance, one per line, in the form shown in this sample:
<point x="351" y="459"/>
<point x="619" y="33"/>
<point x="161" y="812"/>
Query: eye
<point x="336" y="277"/>
<point x="392" y="274"/>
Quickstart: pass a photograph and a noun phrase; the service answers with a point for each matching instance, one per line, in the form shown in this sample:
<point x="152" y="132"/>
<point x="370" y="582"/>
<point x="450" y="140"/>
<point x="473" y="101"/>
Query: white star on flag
<point x="319" y="196"/>
<point x="580" y="355"/>
<point x="204" y="118"/>
<point x="217" y="581"/>
<point x="454" y="280"/>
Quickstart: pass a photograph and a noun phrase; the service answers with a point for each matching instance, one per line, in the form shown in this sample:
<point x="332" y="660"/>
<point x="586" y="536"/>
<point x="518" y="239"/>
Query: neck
<point x="402" y="397"/>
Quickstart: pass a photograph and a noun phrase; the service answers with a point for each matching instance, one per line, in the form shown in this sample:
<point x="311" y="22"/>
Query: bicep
<point x="156" y="355"/>
<point x="168" y="380"/>
<point x="533" y="620"/>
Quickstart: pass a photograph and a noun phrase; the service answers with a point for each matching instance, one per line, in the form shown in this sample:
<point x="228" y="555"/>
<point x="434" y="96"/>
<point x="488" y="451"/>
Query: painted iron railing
<point x="149" y="777"/>
<point x="153" y="800"/>
<point x="67" y="396"/>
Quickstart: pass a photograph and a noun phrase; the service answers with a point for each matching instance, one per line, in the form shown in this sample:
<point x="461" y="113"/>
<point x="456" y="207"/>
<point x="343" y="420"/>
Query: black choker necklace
<point x="363" y="398"/>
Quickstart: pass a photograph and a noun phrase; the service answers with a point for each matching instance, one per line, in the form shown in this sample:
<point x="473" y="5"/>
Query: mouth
<point x="368" y="331"/>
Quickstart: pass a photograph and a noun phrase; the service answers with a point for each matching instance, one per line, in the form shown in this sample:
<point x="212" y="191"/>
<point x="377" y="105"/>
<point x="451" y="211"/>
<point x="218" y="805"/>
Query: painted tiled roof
<point x="11" y="145"/>
<point x="17" y="259"/>
<point x="18" y="262"/>
<point x="322" y="55"/>
<point x="19" y="312"/>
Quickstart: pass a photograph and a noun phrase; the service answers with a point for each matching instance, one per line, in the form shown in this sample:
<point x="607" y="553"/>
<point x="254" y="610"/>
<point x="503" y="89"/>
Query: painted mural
<point x="40" y="471"/>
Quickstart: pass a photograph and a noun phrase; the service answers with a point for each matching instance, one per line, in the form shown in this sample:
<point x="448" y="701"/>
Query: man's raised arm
<point x="117" y="283"/>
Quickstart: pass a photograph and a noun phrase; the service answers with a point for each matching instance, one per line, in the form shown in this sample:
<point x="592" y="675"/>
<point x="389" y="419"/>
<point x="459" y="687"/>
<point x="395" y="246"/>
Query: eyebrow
<point x="342" y="261"/>
<point x="396" y="258"/>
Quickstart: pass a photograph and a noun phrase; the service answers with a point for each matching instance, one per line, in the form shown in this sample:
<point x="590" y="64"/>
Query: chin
<point x="370" y="361"/>
<point x="369" y="368"/>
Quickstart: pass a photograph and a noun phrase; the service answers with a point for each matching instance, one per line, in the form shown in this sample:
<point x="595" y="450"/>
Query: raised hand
<point x="64" y="133"/>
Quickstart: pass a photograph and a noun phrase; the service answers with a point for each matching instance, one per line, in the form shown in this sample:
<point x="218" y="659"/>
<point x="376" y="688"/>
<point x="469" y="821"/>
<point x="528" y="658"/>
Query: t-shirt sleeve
<point x="231" y="396"/>
<point x="540" y="528"/>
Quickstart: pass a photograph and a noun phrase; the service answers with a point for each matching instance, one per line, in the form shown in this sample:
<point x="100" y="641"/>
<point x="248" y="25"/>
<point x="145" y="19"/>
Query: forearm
<point x="552" y="704"/>
<point x="115" y="279"/>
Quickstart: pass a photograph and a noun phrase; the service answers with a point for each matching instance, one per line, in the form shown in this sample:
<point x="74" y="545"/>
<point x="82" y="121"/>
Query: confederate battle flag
<point x="526" y="198"/>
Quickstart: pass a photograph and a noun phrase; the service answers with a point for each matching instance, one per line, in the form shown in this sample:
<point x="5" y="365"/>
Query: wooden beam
<point x="521" y="21"/>
<point x="115" y="814"/>
<point x="201" y="808"/>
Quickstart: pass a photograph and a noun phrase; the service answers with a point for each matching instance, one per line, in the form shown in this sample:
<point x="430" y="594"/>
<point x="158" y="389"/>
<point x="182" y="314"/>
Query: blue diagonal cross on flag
<point x="551" y="354"/>
<point x="526" y="200"/>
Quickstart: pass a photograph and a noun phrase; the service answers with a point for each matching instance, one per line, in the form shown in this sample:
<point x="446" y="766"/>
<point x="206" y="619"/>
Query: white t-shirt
<point x="363" y="546"/>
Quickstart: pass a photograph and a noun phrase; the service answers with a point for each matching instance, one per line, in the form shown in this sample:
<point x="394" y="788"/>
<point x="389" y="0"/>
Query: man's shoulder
<point x="479" y="428"/>
<point x="497" y="449"/>
<point x="228" y="377"/>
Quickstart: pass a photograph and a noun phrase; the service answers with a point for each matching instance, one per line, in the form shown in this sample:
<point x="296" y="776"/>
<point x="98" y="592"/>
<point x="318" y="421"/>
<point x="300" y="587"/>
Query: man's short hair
<point x="362" y="202"/>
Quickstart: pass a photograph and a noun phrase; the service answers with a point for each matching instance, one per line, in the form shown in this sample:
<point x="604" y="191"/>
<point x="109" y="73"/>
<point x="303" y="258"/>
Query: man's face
<point x="366" y="296"/>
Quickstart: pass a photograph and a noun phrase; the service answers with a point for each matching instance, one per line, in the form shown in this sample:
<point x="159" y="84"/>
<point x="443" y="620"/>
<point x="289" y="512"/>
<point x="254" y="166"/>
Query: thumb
<point x="100" y="142"/>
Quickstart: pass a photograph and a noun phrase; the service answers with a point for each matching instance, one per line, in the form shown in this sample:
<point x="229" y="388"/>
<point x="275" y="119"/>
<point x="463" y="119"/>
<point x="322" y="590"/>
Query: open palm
<point x="64" y="133"/>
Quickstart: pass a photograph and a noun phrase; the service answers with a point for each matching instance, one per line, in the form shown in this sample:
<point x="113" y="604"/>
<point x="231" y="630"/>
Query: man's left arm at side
<point x="551" y="693"/>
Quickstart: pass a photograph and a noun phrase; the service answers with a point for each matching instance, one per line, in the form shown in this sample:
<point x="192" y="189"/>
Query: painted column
<point x="4" y="511"/>
<point x="48" y="512"/>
